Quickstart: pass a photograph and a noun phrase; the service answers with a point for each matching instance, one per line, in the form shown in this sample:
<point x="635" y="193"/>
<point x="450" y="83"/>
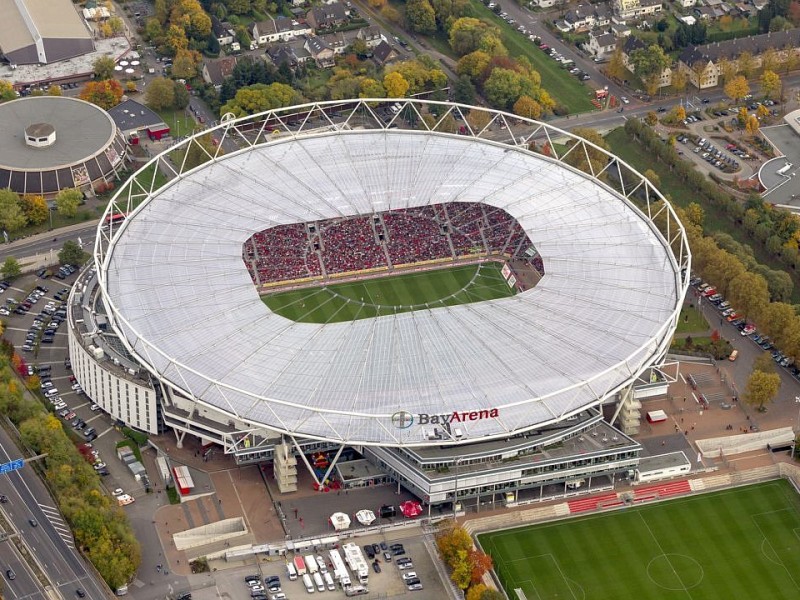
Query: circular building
<point x="49" y="143"/>
<point x="180" y="295"/>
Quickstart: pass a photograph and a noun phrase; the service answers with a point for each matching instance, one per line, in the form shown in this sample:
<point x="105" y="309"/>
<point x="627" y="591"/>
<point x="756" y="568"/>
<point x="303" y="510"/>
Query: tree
<point x="770" y="84"/>
<point x="762" y="389"/>
<point x="12" y="218"/>
<point x="10" y="268"/>
<point x="476" y="591"/>
<point x="464" y="90"/>
<point x="480" y="563"/>
<point x="770" y="60"/>
<point x="54" y="90"/>
<point x="184" y="65"/>
<point x="181" y="96"/>
<point x="105" y="94"/>
<point x="130" y="87"/>
<point x="260" y="97"/>
<point x="751" y="125"/>
<point x="527" y="107"/>
<point x="649" y="63"/>
<point x="746" y="64"/>
<point x="492" y="595"/>
<point x="478" y="119"/>
<point x="452" y="540"/>
<point x="395" y="85"/>
<point x="68" y="201"/>
<point x="728" y="69"/>
<point x="653" y="178"/>
<point x="466" y="34"/>
<point x="651" y="118"/>
<point x="103" y="68"/>
<point x="695" y="214"/>
<point x="679" y="80"/>
<point x="370" y="88"/>
<point x="616" y="68"/>
<point x="7" y="91"/>
<point x="160" y="93"/>
<point x="201" y="150"/>
<point x="72" y="254"/>
<point x="474" y="65"/>
<point x="420" y="16"/>
<point x="35" y="209"/>
<point x="391" y="14"/>
<point x="737" y="88"/>
<point x="577" y="157"/>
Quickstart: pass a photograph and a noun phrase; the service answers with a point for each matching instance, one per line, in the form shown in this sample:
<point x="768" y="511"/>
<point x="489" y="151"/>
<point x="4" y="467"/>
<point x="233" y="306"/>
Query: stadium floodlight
<point x="179" y="295"/>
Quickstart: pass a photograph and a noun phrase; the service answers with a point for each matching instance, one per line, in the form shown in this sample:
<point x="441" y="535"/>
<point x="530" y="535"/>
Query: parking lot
<point x="387" y="583"/>
<point x="33" y="309"/>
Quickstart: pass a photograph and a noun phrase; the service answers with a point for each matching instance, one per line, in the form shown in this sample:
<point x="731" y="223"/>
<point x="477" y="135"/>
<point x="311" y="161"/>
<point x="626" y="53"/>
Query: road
<point x="50" y="541"/>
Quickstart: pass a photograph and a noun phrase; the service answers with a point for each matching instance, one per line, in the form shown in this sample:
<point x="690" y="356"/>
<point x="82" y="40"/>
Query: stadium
<point x="447" y="296"/>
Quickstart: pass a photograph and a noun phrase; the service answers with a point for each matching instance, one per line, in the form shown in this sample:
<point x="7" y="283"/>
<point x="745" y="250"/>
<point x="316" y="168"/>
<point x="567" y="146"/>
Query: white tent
<point x="365" y="517"/>
<point x="340" y="521"/>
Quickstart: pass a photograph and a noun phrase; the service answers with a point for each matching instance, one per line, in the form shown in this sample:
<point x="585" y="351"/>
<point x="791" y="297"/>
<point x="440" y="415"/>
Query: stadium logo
<point x="404" y="420"/>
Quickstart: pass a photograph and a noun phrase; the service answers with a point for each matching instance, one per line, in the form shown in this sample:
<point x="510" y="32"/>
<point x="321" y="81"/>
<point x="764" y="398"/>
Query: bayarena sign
<point x="403" y="419"/>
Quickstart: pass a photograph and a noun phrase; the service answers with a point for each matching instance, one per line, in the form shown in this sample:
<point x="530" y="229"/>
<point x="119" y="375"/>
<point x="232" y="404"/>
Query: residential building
<point x="336" y="41"/>
<point x="279" y="29"/>
<point x="279" y="54"/>
<point x="383" y="53"/>
<point x="222" y="31"/>
<point x="601" y="44"/>
<point x="371" y="36"/>
<point x="216" y="71"/>
<point x="686" y="3"/>
<point x="703" y="64"/>
<point x="327" y="16"/>
<point x="322" y="54"/>
<point x="634" y="9"/>
<point x="585" y="17"/>
<point x="632" y="44"/>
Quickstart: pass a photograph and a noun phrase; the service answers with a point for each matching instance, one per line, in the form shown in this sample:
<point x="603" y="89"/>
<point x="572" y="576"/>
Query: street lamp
<point x="796" y="433"/>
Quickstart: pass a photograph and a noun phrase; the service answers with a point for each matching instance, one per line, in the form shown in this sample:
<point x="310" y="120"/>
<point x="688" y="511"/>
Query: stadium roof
<point x="42" y="31"/>
<point x="186" y="305"/>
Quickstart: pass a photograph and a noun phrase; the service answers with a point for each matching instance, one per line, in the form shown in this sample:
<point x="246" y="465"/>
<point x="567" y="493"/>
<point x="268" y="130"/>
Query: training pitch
<point x="392" y="294"/>
<point x="741" y="543"/>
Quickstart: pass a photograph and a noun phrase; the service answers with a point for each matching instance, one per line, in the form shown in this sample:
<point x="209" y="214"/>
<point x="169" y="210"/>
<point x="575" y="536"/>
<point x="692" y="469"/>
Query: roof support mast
<point x="320" y="483"/>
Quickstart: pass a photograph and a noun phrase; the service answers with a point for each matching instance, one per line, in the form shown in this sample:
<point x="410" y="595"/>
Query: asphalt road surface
<point x="50" y="541"/>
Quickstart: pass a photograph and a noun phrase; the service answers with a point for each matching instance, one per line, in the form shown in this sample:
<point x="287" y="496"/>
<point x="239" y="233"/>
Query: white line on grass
<point x="664" y="554"/>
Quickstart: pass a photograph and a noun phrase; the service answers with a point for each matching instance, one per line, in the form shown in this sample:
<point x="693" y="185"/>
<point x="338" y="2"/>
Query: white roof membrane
<point x="185" y="304"/>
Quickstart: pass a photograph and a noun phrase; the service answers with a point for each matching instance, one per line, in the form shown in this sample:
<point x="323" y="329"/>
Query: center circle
<point x="675" y="572"/>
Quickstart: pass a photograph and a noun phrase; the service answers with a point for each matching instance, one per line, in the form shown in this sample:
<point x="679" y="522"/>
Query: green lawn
<point x="737" y="544"/>
<point x="391" y="294"/>
<point x="565" y="88"/>
<point x="692" y="321"/>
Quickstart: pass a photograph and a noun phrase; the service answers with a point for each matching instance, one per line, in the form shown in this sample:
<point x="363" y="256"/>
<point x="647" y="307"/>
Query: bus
<point x="115" y="218"/>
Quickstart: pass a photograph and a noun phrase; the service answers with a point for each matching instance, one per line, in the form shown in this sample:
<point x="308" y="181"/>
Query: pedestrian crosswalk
<point x="58" y="523"/>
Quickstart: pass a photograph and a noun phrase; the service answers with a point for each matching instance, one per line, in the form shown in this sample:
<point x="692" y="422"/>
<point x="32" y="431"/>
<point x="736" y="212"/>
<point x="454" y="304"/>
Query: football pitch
<point x="391" y="294"/>
<point x="741" y="543"/>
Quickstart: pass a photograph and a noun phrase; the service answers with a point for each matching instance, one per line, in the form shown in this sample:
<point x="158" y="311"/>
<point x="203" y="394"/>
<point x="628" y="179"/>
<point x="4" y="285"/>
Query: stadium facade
<point x="505" y="399"/>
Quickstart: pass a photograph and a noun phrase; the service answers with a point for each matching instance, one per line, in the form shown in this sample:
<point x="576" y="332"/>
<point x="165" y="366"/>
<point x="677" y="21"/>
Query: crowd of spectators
<point x="451" y="230"/>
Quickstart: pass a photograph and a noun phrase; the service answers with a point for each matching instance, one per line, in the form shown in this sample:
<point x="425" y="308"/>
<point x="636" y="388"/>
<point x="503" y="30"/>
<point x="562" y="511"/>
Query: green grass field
<point x="737" y="544"/>
<point x="392" y="294"/>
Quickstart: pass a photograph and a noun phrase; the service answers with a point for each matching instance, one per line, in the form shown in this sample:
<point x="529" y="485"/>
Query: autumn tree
<point x="474" y="65"/>
<point x="103" y="68"/>
<point x="695" y="214"/>
<point x="727" y="69"/>
<point x="653" y="178"/>
<point x="201" y="149"/>
<point x="478" y="119"/>
<point x="581" y="155"/>
<point x="770" y="84"/>
<point x="761" y="389"/>
<point x="420" y="16"/>
<point x="746" y="64"/>
<point x="395" y="85"/>
<point x="679" y="80"/>
<point x="35" y="209"/>
<point x="466" y="34"/>
<point x="7" y="91"/>
<point x="68" y="201"/>
<point x="259" y="97"/>
<point x="106" y="94"/>
<point x="737" y="88"/>
<point x="616" y="66"/>
<point x="475" y="592"/>
<point x="527" y="107"/>
<point x="651" y="118"/>
<point x="480" y="563"/>
<point x="391" y="14"/>
<point x="751" y="125"/>
<point x="184" y="65"/>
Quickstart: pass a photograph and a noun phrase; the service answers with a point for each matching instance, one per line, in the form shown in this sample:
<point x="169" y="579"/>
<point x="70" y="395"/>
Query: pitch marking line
<point x="769" y="543"/>
<point x="661" y="550"/>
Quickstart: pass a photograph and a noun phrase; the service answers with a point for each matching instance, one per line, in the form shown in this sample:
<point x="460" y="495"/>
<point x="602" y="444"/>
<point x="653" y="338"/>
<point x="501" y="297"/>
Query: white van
<point x="329" y="582"/>
<point x="323" y="568"/>
<point x="311" y="564"/>
<point x="308" y="583"/>
<point x="319" y="582"/>
<point x="355" y="590"/>
<point x="291" y="571"/>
